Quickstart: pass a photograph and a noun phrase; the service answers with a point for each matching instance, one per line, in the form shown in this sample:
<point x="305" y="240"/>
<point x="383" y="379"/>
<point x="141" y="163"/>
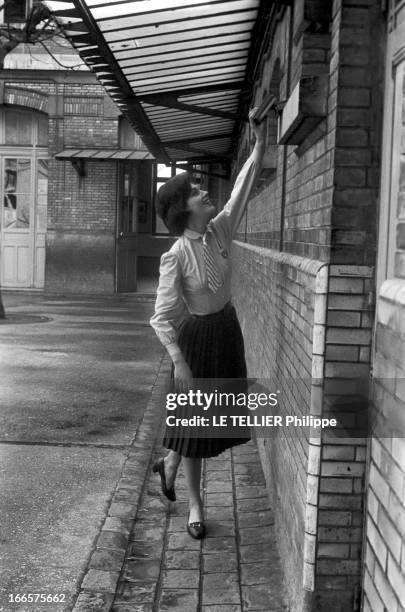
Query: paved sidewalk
<point x="235" y="569"/>
<point x="83" y="514"/>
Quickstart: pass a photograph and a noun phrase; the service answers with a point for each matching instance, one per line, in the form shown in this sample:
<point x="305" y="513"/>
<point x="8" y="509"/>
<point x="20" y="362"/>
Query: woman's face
<point x="200" y="205"/>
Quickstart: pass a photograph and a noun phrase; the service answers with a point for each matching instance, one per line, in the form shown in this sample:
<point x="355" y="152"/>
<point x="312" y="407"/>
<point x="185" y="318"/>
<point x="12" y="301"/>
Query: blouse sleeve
<point x="227" y="221"/>
<point x="170" y="308"/>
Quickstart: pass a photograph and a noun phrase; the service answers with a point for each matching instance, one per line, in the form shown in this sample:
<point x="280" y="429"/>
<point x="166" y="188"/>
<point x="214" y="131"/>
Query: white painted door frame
<point x="20" y="258"/>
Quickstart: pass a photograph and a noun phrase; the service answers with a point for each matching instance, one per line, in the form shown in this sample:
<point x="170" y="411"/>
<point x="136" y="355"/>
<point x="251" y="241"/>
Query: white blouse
<point x="183" y="287"/>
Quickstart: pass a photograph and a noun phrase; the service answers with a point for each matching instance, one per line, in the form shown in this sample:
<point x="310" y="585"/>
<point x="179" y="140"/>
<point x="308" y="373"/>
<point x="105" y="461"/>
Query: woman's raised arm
<point x="232" y="212"/>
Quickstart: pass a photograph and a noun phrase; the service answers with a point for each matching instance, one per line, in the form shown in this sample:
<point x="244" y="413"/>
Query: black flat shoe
<point x="196" y="530"/>
<point x="159" y="467"/>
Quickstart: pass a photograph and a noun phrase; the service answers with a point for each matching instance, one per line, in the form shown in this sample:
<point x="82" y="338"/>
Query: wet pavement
<point x="73" y="391"/>
<point x="81" y="417"/>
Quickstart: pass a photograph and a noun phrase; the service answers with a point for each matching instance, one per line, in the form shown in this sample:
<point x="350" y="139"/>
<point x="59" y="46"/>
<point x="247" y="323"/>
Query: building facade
<point x="319" y="259"/>
<point x="77" y="182"/>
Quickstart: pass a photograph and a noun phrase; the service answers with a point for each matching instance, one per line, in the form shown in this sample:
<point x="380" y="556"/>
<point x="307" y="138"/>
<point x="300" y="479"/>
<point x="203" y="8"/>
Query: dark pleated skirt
<point x="213" y="347"/>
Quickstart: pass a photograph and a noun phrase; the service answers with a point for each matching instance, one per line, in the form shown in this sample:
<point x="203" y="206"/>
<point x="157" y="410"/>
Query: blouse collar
<point x="192" y="234"/>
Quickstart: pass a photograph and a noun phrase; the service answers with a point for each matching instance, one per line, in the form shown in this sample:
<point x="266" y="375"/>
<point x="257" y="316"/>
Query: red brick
<point x="350" y="177"/>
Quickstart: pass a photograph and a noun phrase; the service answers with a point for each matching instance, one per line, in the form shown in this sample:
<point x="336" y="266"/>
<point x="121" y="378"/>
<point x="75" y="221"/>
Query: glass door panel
<point x="42" y="194"/>
<point x="17" y="239"/>
<point x="17" y="193"/>
<point x="127" y="229"/>
<point x="40" y="221"/>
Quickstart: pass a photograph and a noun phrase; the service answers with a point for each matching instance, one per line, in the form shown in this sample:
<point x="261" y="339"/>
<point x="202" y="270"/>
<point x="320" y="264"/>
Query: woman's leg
<point x="192" y="472"/>
<point x="172" y="462"/>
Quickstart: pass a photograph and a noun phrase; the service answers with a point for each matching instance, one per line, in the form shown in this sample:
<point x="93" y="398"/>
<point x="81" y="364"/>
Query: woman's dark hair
<point x="172" y="203"/>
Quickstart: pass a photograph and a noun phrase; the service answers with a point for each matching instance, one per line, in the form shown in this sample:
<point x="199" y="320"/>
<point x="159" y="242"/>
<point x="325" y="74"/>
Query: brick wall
<point x="293" y="206"/>
<point x="280" y="299"/>
<point x="80" y="252"/>
<point x="320" y="204"/>
<point x="83" y="203"/>
<point x="384" y="561"/>
<point x="355" y="99"/>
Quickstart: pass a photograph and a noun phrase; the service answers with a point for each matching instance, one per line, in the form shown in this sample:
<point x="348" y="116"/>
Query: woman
<point x="193" y="316"/>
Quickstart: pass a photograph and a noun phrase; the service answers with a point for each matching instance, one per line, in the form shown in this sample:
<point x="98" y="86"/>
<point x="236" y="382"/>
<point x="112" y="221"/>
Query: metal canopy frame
<point x="178" y="70"/>
<point x="103" y="154"/>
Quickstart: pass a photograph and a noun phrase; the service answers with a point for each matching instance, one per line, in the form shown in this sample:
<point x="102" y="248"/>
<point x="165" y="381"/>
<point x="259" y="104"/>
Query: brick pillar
<point x="356" y="98"/>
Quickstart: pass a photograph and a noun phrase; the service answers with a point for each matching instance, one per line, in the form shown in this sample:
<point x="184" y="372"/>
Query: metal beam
<point x="195" y="171"/>
<point x="75" y="27"/>
<point x="202" y="71"/>
<point x="79" y="165"/>
<point x="189" y="91"/>
<point x="185" y="40"/>
<point x="121" y="3"/>
<point x="260" y="39"/>
<point x="71" y="13"/>
<point x="90" y="41"/>
<point x="194" y="17"/>
<point x="181" y="142"/>
<point x="185" y="56"/>
<point x="140" y="120"/>
<point x="172" y="102"/>
<point x="204" y="152"/>
<point x="84" y="39"/>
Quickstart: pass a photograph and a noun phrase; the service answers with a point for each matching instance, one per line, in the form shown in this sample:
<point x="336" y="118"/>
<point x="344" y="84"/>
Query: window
<point x="128" y="200"/>
<point x="128" y="138"/>
<point x="42" y="193"/>
<point x="23" y="128"/>
<point x="17" y="193"/>
<point x="16" y="10"/>
<point x="162" y="174"/>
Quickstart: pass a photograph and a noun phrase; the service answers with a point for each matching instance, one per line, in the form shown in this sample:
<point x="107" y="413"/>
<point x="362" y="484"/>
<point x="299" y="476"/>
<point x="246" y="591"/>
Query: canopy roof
<point x="177" y="69"/>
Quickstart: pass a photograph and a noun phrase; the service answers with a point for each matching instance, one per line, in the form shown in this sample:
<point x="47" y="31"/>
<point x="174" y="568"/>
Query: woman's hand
<point x="182" y="375"/>
<point x="258" y="129"/>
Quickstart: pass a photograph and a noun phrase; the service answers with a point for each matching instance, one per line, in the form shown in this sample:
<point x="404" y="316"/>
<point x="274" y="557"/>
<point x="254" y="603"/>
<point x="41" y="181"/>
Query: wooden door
<point x="40" y="208"/>
<point x="127" y="228"/>
<point x="24" y="193"/>
<point x="18" y="223"/>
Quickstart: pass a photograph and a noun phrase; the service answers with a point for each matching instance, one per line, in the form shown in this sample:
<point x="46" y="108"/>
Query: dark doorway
<point x="127" y="223"/>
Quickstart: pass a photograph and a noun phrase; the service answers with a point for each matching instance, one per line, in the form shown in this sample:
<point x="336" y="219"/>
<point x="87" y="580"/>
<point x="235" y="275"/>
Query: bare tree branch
<point x="32" y="32"/>
<point x="41" y="42"/>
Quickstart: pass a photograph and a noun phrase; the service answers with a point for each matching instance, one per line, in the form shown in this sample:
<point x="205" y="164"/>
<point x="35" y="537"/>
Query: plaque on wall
<point x="304" y="109"/>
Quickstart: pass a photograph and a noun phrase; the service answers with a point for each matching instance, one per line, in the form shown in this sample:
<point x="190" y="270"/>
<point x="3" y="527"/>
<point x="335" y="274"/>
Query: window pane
<point x="128" y="204"/>
<point x="10" y="210"/>
<point x="142" y="212"/>
<point x="160" y="227"/>
<point x="14" y="10"/>
<point x="42" y="193"/>
<point x="17" y="193"/>
<point x="42" y="131"/>
<point x="164" y="171"/>
<point x="180" y="170"/>
<point x="18" y="128"/>
<point x="126" y="134"/>
<point x="128" y="138"/>
<point x="24" y="176"/>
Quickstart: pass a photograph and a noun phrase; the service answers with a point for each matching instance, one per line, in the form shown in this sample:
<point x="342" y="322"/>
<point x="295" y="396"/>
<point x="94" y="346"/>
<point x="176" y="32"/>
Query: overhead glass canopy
<point x="176" y="68"/>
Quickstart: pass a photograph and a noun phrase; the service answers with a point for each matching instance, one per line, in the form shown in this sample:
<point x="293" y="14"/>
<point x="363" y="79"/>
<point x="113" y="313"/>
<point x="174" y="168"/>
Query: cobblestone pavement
<point x="235" y="569"/>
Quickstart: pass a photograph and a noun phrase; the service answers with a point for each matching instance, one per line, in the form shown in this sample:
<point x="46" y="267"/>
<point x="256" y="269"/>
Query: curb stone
<point x="100" y="579"/>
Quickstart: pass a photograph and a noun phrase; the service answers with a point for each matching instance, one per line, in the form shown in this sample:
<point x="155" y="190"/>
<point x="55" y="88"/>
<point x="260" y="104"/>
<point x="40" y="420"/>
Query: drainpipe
<point x="285" y="152"/>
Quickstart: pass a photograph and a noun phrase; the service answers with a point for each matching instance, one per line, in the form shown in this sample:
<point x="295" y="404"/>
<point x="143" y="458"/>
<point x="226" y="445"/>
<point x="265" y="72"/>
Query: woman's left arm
<point x="233" y="211"/>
